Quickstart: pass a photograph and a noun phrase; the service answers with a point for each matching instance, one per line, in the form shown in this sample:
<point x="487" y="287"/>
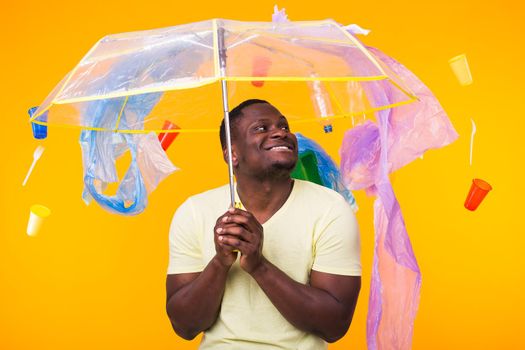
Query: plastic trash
<point x="460" y="67"/>
<point x="307" y="168"/>
<point x="100" y="150"/>
<point x="39" y="131"/>
<point x="322" y="104"/>
<point x="327" y="170"/>
<point x="37" y="214"/>
<point x="472" y="133"/>
<point x="36" y="156"/>
<point x="167" y="138"/>
<point x="260" y="67"/>
<point x="478" y="191"/>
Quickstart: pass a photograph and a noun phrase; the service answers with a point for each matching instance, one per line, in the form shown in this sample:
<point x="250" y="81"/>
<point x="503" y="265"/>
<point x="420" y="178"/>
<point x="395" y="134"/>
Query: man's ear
<point x="234" y="156"/>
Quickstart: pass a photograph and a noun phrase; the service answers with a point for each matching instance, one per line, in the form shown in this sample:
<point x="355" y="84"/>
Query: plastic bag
<point x="100" y="150"/>
<point x="328" y="170"/>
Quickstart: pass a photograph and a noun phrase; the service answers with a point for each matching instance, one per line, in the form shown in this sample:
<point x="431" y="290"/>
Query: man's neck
<point x="264" y="197"/>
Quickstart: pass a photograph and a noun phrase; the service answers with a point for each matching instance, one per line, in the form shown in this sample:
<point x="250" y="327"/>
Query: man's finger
<point x="226" y="249"/>
<point x="233" y="243"/>
<point x="235" y="230"/>
<point x="243" y="218"/>
<point x="239" y="218"/>
<point x="237" y="211"/>
<point x="220" y="218"/>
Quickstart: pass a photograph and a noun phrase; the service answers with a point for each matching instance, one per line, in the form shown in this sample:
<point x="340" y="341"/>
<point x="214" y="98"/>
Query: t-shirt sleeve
<point x="337" y="248"/>
<point x="184" y="242"/>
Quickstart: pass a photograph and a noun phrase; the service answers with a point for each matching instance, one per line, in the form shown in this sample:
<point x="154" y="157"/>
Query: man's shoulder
<point x="208" y="203"/>
<point x="318" y="192"/>
<point x="212" y="196"/>
<point x="319" y="200"/>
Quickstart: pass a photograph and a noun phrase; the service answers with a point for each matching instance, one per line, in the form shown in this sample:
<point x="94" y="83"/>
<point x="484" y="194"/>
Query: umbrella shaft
<point x="222" y="65"/>
<point x="228" y="140"/>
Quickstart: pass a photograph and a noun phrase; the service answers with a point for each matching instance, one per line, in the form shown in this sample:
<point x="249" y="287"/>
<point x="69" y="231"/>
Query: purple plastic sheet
<point x="412" y="130"/>
<point x="369" y="153"/>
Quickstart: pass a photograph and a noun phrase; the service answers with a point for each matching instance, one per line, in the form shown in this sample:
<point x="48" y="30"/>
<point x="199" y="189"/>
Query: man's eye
<point x="285" y="127"/>
<point x="260" y="128"/>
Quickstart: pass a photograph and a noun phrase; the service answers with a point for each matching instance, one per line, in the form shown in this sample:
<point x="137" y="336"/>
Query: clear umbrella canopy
<point x="313" y="71"/>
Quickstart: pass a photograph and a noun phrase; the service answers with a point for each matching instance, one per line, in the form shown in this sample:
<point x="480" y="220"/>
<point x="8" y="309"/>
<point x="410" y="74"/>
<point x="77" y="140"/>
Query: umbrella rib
<point x="120" y="113"/>
<point x="411" y="95"/>
<point x="74" y="70"/>
<point x="241" y="42"/>
<point x="290" y="55"/>
<point x="137" y="92"/>
<point x="347" y="115"/>
<point x="203" y="130"/>
<point x="309" y="38"/>
<point x="32" y="119"/>
<point x="149" y="47"/>
<point x="311" y="78"/>
<point x="374" y="61"/>
<point x="214" y="80"/>
<point x="332" y="95"/>
<point x="361" y="47"/>
<point x="272" y="25"/>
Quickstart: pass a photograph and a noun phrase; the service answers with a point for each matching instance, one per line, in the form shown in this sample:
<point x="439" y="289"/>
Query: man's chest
<point x="288" y="244"/>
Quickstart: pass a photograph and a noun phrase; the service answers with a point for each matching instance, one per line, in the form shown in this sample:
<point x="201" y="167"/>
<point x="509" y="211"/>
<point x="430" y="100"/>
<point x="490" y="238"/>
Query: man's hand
<point x="224" y="253"/>
<point x="239" y="229"/>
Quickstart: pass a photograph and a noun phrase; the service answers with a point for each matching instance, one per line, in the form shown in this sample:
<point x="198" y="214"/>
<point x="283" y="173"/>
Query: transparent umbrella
<point x="130" y="83"/>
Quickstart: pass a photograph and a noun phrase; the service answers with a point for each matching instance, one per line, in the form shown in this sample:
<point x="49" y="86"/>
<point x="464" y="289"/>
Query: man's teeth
<point x="280" y="147"/>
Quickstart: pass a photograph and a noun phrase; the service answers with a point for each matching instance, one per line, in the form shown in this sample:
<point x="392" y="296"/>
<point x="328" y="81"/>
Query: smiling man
<point x="281" y="272"/>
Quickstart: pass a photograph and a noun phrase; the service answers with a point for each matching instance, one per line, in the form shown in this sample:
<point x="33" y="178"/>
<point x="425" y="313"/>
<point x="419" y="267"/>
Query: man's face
<point x="262" y="142"/>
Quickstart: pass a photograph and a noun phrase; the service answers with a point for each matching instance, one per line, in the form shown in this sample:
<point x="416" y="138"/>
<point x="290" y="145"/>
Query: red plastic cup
<point x="166" y="138"/>
<point x="478" y="191"/>
<point x="260" y="67"/>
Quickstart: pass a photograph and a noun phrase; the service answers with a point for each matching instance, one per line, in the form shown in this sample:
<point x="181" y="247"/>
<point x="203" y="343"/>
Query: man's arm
<point x="325" y="307"/>
<point x="193" y="300"/>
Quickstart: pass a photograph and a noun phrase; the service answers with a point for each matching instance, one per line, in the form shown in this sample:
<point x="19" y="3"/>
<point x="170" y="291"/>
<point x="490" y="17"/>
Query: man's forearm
<point x="194" y="308"/>
<point x="308" y="308"/>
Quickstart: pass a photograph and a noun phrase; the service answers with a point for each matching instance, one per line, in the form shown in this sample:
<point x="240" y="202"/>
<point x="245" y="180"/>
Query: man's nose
<point x="278" y="133"/>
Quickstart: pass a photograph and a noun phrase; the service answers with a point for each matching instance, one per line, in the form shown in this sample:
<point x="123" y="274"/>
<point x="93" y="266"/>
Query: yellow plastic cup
<point x="459" y="65"/>
<point x="37" y="214"/>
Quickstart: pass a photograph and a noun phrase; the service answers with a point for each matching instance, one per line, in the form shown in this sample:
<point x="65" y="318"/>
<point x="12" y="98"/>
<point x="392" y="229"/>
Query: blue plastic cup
<point x="39" y="131"/>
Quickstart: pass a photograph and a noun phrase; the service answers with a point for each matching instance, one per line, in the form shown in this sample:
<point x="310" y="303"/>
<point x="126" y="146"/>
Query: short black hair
<point x="235" y="114"/>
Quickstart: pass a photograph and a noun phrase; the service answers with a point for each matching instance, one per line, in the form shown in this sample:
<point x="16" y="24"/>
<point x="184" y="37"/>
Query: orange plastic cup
<point x="478" y="191"/>
<point x="166" y="138"/>
<point x="260" y="67"/>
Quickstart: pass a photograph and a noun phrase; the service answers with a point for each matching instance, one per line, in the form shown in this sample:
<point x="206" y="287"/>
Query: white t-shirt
<point x="315" y="229"/>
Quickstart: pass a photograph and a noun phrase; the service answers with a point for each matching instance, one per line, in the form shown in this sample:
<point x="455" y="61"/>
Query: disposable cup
<point x="39" y="131"/>
<point x="459" y="65"/>
<point x="37" y="214"/>
<point x="478" y="191"/>
<point x="260" y="67"/>
<point x="166" y="138"/>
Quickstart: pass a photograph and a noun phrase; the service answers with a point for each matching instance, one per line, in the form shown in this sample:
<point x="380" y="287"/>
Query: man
<point x="284" y="272"/>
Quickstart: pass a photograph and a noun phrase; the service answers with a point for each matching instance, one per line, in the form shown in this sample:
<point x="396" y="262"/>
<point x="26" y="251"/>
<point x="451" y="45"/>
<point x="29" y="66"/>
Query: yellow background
<point x="96" y="280"/>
